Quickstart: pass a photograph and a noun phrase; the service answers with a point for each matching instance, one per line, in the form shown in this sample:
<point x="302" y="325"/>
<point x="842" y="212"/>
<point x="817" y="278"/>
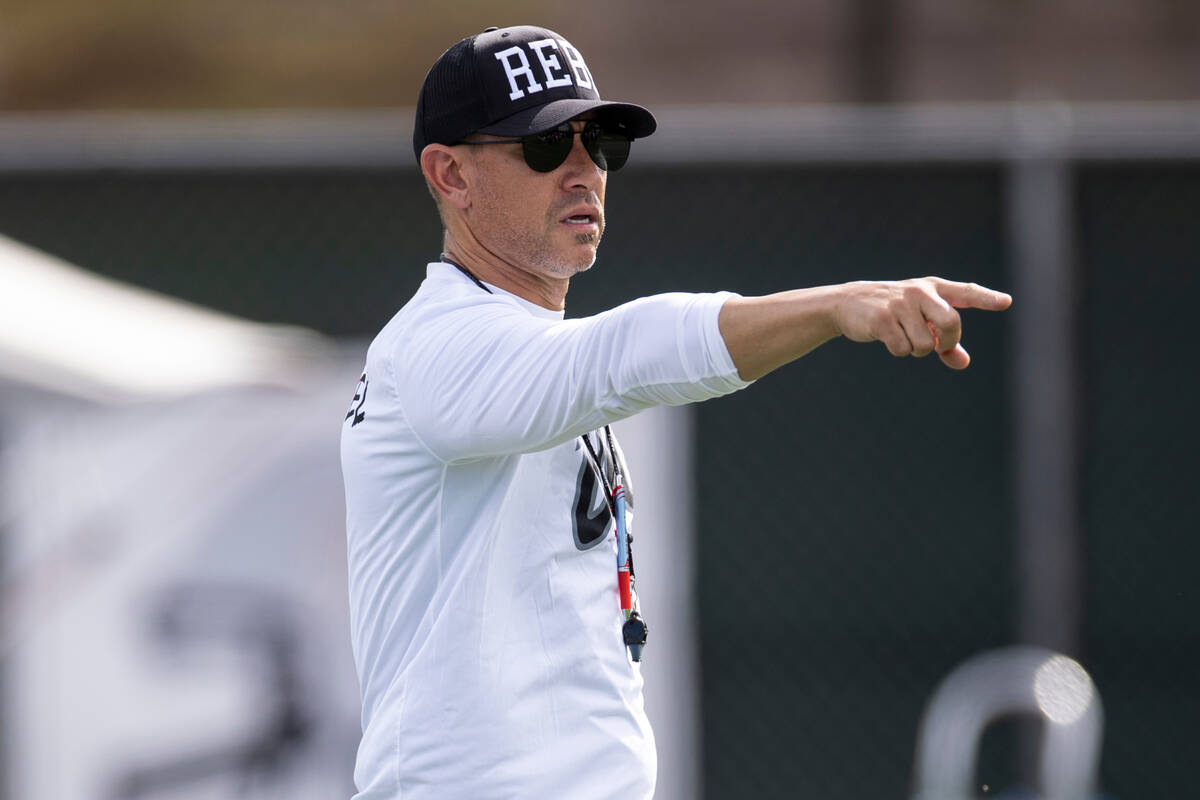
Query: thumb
<point x="955" y="358"/>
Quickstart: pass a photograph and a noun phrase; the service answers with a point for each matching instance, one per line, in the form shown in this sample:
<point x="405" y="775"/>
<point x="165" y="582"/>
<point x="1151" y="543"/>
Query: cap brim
<point x="639" y="121"/>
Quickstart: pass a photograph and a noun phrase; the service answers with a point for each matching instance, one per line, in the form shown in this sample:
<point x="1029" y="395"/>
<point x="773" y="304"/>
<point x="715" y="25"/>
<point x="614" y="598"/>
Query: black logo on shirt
<point x="356" y="412"/>
<point x="592" y="519"/>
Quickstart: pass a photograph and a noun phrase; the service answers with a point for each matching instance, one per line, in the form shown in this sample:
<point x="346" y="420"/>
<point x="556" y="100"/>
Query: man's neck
<point x="538" y="289"/>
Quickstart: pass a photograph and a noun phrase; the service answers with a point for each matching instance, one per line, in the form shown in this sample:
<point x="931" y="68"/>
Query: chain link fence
<point x="1141" y="246"/>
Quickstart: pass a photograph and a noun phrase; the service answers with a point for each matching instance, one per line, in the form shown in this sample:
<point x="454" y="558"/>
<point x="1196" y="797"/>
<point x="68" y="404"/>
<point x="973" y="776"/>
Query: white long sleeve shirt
<point x="485" y="619"/>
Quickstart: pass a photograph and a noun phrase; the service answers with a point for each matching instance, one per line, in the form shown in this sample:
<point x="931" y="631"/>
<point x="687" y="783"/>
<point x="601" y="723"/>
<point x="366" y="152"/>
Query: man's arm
<point x="912" y="317"/>
<point x="485" y="378"/>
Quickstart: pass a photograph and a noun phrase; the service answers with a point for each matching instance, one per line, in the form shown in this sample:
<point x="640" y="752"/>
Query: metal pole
<point x="1047" y="393"/>
<point x="1047" y="384"/>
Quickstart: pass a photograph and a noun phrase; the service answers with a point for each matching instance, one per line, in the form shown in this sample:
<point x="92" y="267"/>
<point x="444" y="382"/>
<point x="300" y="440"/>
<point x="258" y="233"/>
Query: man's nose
<point x="581" y="170"/>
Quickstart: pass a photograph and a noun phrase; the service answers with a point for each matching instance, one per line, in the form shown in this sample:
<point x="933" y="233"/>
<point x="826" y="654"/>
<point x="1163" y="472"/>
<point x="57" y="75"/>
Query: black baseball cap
<point x="513" y="82"/>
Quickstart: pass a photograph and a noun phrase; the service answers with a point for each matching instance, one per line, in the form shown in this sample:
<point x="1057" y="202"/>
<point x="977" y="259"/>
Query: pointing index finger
<point x="972" y="295"/>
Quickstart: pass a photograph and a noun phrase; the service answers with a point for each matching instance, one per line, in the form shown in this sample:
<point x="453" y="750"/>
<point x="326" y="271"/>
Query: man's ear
<point x="443" y="169"/>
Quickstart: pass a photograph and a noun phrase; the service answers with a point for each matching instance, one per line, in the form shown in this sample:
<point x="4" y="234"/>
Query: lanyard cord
<point x="466" y="272"/>
<point x="617" y="498"/>
<point x="597" y="465"/>
<point x="612" y="446"/>
<point x="598" y="468"/>
<point x="633" y="631"/>
<point x="610" y="492"/>
<point x="620" y="498"/>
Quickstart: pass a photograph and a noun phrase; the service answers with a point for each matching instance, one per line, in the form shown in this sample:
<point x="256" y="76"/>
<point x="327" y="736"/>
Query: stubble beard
<point x="543" y="258"/>
<point x="537" y="248"/>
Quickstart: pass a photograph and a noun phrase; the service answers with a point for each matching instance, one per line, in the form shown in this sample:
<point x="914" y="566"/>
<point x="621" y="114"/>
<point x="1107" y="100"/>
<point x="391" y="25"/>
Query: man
<point x="495" y="629"/>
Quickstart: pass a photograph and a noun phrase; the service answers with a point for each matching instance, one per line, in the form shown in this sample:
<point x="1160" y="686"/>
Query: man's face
<point x="548" y="223"/>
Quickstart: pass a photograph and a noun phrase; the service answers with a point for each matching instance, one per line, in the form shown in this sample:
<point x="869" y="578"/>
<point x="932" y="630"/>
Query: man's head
<point x="533" y="196"/>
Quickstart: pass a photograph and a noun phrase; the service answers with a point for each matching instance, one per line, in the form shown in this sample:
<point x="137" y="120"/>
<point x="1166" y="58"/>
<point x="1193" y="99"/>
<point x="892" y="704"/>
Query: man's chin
<point x="580" y="258"/>
<point x="589" y="260"/>
<point x="591" y="243"/>
<point x="570" y="256"/>
<point x="565" y="269"/>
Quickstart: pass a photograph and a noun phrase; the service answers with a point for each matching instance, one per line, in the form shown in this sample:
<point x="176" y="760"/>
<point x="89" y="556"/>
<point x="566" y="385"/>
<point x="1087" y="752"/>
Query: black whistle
<point x="634" y="633"/>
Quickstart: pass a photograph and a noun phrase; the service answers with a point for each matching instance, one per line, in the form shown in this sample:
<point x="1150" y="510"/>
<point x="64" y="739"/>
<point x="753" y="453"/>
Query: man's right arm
<point x="912" y="317"/>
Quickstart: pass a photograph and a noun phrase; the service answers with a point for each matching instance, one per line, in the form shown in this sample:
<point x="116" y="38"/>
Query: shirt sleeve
<point x="492" y="379"/>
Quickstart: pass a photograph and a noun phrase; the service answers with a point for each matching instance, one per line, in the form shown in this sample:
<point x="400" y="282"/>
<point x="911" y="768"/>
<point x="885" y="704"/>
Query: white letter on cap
<point x="550" y="62"/>
<point x="582" y="76"/>
<point x="504" y="57"/>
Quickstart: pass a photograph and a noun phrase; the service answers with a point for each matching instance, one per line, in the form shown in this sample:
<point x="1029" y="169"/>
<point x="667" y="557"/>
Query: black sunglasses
<point x="546" y="151"/>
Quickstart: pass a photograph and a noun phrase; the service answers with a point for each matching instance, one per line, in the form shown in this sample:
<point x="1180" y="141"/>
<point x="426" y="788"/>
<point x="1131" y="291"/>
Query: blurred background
<point x="208" y="208"/>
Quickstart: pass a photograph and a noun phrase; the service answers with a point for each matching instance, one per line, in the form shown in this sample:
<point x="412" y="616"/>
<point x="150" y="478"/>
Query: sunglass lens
<point x="610" y="151"/>
<point x="545" y="152"/>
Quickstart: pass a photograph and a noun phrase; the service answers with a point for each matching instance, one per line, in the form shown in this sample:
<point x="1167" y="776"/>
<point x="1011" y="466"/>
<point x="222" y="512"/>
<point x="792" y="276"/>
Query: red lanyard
<point x="634" y="630"/>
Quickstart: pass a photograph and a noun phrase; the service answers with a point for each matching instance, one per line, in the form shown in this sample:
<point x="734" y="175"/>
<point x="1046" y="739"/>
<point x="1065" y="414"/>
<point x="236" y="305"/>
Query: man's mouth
<point x="583" y="220"/>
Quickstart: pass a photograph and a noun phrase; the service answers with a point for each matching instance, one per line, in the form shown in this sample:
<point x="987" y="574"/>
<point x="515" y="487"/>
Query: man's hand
<point x="914" y="317"/>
